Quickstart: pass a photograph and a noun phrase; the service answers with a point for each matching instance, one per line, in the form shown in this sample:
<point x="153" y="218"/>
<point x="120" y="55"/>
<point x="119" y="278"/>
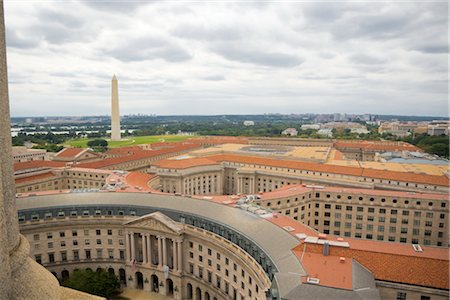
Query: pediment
<point x="157" y="221"/>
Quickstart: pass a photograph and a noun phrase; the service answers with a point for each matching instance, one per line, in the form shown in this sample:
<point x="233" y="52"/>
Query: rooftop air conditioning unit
<point x="417" y="248"/>
<point x="313" y="280"/>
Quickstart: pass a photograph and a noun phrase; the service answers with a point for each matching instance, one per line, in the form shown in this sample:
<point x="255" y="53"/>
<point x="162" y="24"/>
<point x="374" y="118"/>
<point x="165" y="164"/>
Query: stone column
<point x="133" y="245"/>
<point x="127" y="246"/>
<point x="180" y="258"/>
<point x="20" y="276"/>
<point x="149" y="249"/>
<point x="144" y="249"/>
<point x="174" y="254"/>
<point x="164" y="251"/>
<point x="159" y="251"/>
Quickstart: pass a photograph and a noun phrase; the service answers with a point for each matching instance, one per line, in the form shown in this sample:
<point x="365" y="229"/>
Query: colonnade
<point x="147" y="254"/>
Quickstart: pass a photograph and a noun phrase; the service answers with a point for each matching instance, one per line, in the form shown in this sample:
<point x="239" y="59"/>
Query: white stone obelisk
<point x="115" y="115"/>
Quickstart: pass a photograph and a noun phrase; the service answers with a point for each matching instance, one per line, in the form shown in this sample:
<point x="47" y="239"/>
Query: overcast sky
<point x="227" y="58"/>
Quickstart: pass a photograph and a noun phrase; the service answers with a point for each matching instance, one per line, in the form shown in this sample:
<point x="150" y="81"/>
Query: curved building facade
<point x="189" y="248"/>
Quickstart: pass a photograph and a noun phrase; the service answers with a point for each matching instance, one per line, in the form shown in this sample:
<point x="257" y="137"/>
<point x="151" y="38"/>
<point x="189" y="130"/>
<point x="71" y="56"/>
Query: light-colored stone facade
<point x="384" y="218"/>
<point x="61" y="179"/>
<point x="152" y="252"/>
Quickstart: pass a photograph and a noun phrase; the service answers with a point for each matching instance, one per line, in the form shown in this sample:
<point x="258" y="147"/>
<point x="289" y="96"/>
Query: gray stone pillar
<point x="133" y="246"/>
<point x="144" y="249"/>
<point x="174" y="255"/>
<point x="149" y="249"/>
<point x="20" y="276"/>
<point x="180" y="257"/>
<point x="127" y="246"/>
<point x="159" y="251"/>
<point x="164" y="251"/>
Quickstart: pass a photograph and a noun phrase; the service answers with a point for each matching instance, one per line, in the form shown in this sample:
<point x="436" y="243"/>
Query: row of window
<point x="74" y="213"/>
<point x="76" y="255"/>
<point x="218" y="267"/>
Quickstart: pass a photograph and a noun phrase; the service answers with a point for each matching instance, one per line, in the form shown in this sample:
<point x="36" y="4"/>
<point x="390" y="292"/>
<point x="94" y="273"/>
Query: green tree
<point x="97" y="143"/>
<point x="101" y="282"/>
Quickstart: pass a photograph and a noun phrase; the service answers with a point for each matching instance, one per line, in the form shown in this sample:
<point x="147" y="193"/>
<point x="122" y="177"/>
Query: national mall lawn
<point x="129" y="141"/>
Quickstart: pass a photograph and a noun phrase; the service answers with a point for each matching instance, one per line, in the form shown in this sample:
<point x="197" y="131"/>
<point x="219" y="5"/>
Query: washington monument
<point x="115" y="115"/>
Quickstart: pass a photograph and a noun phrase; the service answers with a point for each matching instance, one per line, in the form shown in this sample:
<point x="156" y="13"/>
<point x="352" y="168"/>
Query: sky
<point x="222" y="57"/>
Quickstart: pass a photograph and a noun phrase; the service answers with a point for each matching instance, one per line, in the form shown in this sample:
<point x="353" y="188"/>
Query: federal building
<point x="224" y="218"/>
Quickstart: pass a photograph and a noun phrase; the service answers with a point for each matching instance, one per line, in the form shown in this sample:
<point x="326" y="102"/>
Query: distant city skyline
<point x="235" y="58"/>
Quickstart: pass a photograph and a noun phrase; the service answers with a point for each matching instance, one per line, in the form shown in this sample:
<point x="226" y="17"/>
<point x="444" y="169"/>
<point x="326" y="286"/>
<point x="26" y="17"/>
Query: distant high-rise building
<point x="115" y="114"/>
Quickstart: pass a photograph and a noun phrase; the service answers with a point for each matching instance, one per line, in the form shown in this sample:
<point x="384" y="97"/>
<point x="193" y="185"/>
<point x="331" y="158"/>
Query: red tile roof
<point x="136" y="179"/>
<point x="184" y="163"/>
<point x="35" y="177"/>
<point x="70" y="152"/>
<point x="388" y="261"/>
<point x="375" y="145"/>
<point x="394" y="262"/>
<point x="441" y="180"/>
<point x="137" y="155"/>
<point x="299" y="189"/>
<point x="35" y="164"/>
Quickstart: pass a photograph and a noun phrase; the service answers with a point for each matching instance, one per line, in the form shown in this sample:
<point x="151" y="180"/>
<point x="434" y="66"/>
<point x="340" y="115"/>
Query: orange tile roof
<point x="220" y="140"/>
<point x="393" y="265"/>
<point x="328" y="269"/>
<point x="35" y="164"/>
<point x="184" y="163"/>
<point x="388" y="261"/>
<point x="376" y="145"/>
<point x="441" y="180"/>
<point x="137" y="179"/>
<point x="137" y="155"/>
<point x="70" y="152"/>
<point x="299" y="189"/>
<point x="35" y="177"/>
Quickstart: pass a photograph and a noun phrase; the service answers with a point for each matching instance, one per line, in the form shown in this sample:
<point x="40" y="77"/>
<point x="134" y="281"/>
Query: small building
<point x="440" y="129"/>
<point x="249" y="123"/>
<point x="325" y="132"/>
<point x="76" y="154"/>
<point x="310" y="126"/>
<point x="22" y="154"/>
<point x="290" y="131"/>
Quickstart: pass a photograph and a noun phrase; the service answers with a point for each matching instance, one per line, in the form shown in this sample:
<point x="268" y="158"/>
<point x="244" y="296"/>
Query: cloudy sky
<point x="227" y="57"/>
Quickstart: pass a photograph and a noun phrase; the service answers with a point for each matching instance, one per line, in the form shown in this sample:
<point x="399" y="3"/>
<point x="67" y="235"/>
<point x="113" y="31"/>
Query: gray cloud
<point x="257" y="56"/>
<point x="209" y="34"/>
<point x="16" y="41"/>
<point x="433" y="49"/>
<point x="117" y="6"/>
<point x="362" y="58"/>
<point x="149" y="48"/>
<point x="221" y="58"/>
<point x="214" y="78"/>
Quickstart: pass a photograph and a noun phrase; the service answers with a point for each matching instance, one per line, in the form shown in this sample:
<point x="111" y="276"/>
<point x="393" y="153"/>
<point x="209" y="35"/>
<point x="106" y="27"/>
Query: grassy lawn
<point x="129" y="141"/>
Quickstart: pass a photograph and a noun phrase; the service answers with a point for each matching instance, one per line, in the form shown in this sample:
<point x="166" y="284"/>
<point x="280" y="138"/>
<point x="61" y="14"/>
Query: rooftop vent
<point x="342" y="259"/>
<point x="417" y="248"/>
<point x="322" y="236"/>
<point x="288" y="228"/>
<point x="313" y="280"/>
<point x="326" y="249"/>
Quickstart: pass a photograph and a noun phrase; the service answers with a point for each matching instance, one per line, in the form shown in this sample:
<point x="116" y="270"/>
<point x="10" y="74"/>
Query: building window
<point x="51" y="257"/>
<point x="401" y="296"/>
